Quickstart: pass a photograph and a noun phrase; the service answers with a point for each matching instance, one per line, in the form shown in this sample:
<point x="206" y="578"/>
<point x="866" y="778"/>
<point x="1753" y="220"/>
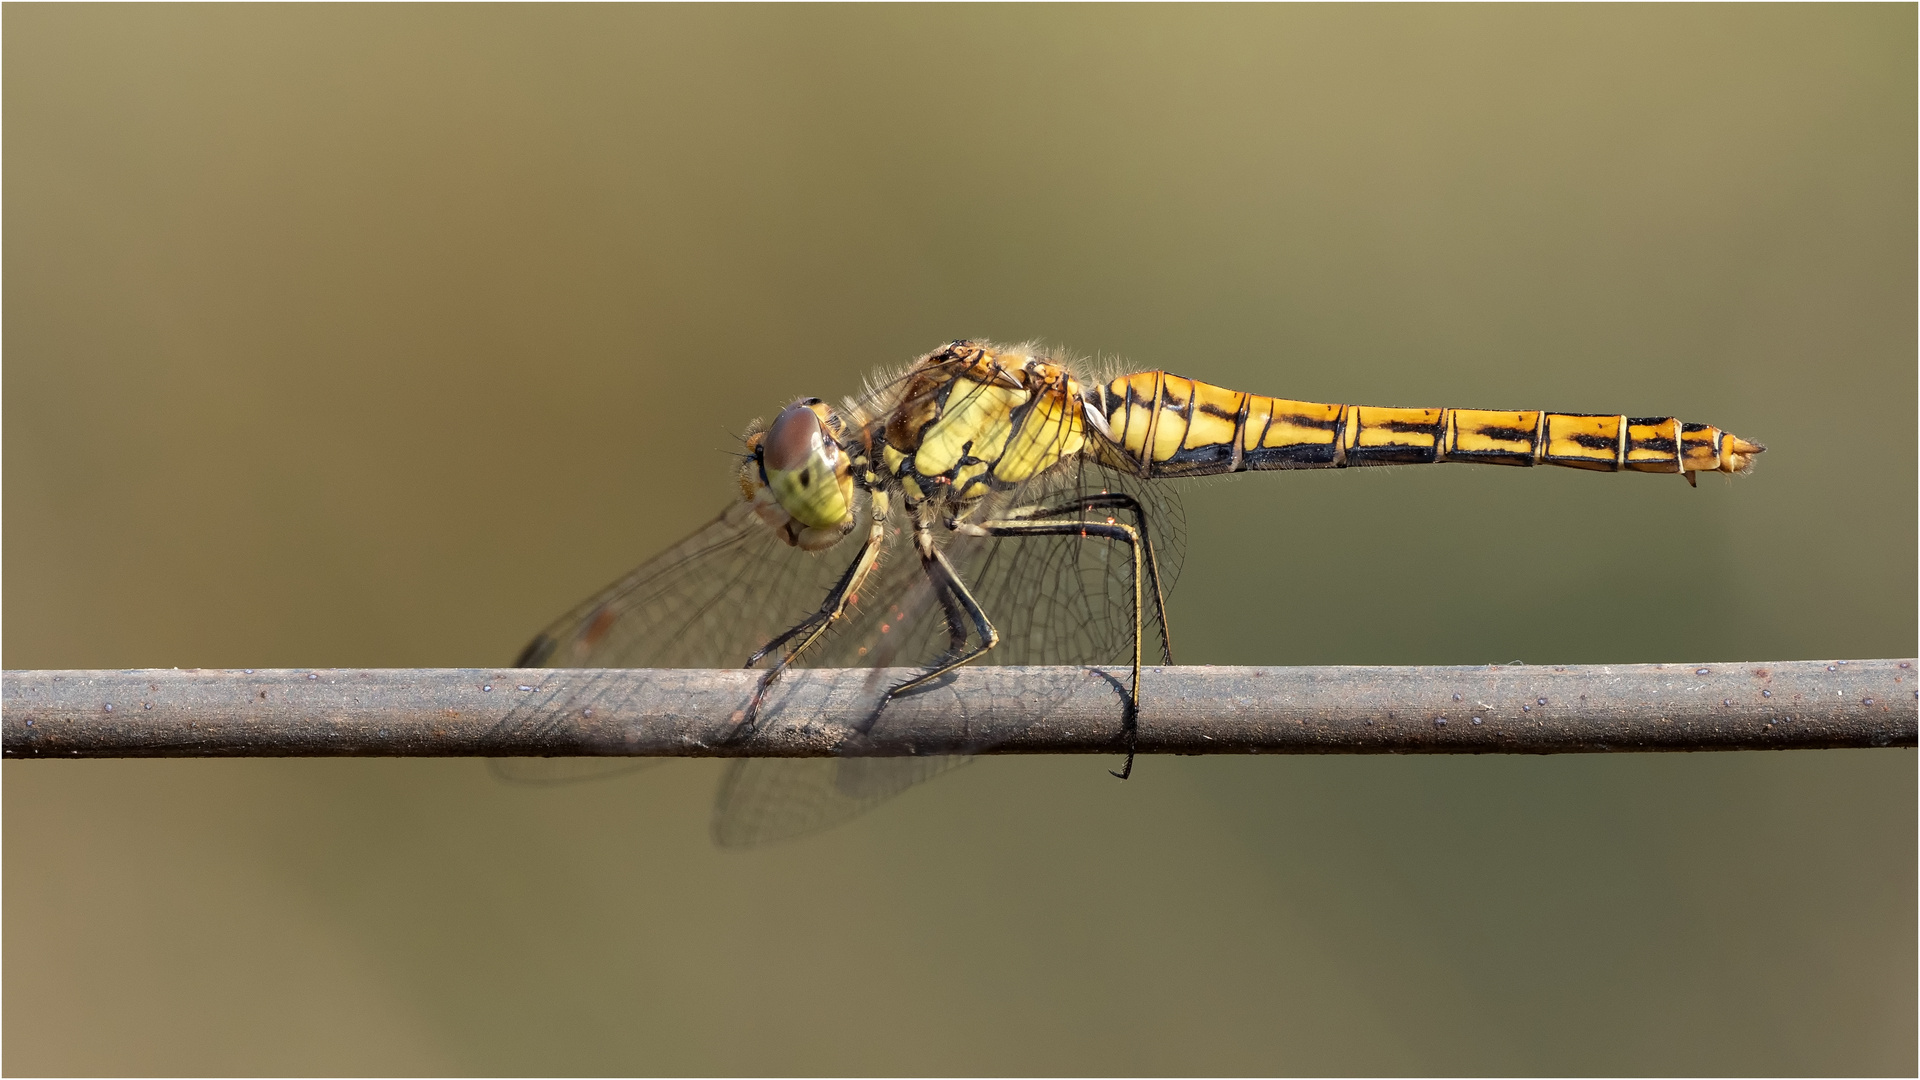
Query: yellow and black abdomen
<point x="1173" y="426"/>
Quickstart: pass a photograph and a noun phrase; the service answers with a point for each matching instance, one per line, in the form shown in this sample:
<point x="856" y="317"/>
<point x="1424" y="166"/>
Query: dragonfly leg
<point x="1114" y="500"/>
<point x="962" y="611"/>
<point x="959" y="617"/>
<point x="810" y="629"/>
<point x="1014" y="527"/>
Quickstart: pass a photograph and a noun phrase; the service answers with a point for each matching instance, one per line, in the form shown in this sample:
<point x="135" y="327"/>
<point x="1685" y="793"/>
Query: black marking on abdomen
<point x="1492" y="457"/>
<point x="1405" y="427"/>
<point x="1507" y="434"/>
<point x="1213" y="458"/>
<point x="1305" y="456"/>
<point x="1306" y="421"/>
<point x="1392" y="455"/>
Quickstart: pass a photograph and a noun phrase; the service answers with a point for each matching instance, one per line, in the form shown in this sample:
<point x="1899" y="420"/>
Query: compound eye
<point x="796" y="435"/>
<point x="806" y="473"/>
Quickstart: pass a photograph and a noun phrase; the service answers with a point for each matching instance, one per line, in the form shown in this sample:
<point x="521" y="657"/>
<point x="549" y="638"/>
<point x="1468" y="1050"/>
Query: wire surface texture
<point x="508" y="712"/>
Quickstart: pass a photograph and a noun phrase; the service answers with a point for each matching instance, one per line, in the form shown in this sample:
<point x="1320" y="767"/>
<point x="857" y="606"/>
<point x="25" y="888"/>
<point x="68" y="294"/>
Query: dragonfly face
<point x="798" y="479"/>
<point x="1013" y="513"/>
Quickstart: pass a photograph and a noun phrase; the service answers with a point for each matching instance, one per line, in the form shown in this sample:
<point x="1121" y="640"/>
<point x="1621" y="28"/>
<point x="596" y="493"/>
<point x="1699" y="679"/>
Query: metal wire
<point x="1038" y="710"/>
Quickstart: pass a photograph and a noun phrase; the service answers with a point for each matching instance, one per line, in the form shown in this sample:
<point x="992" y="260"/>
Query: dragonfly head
<point x="797" y="477"/>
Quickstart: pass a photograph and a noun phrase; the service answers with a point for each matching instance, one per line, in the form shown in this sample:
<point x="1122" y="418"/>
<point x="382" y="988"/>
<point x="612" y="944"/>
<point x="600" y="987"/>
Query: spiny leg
<point x="958" y="618"/>
<point x="1126" y="534"/>
<point x="938" y="579"/>
<point x="961" y="608"/>
<point x="810" y="629"/>
<point x="960" y="614"/>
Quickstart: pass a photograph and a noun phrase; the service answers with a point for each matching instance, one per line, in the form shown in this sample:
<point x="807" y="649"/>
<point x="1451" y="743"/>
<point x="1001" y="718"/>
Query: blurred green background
<point x="380" y="336"/>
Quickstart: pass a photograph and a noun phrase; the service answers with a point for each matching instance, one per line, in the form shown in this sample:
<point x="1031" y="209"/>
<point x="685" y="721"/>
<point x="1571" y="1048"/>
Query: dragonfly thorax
<point x="973" y="419"/>
<point x="797" y="477"/>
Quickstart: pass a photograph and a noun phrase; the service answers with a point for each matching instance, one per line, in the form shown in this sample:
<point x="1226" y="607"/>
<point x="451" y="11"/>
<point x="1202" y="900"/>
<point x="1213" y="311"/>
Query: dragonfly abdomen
<point x="1174" y="426"/>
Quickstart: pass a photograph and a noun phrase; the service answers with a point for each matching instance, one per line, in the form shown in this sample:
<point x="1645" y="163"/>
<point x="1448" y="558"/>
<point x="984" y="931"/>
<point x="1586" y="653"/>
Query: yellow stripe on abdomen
<point x="1491" y="438"/>
<point x="1291" y="434"/>
<point x="1393" y="436"/>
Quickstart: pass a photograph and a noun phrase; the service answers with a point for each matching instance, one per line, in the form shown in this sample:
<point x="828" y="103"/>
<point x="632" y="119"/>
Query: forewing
<point x="709" y="601"/>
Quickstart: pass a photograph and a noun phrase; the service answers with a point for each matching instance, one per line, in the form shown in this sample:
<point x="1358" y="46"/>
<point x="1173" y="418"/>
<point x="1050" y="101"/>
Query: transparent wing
<point x="718" y="596"/>
<point x="767" y="799"/>
<point x="709" y="601"/>
<point x="712" y="600"/>
<point x="686" y="607"/>
<point x="1069" y="599"/>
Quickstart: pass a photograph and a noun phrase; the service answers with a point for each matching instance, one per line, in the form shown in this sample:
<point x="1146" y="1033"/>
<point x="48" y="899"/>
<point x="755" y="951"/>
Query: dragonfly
<point x="988" y="503"/>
